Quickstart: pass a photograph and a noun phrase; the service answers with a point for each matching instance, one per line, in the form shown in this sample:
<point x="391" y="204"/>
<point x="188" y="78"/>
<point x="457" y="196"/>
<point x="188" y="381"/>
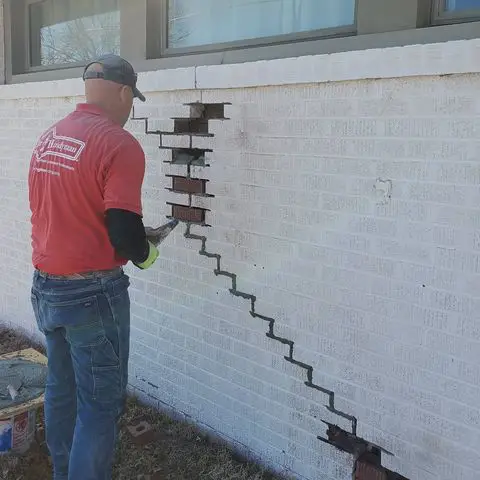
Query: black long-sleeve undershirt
<point x="127" y="234"/>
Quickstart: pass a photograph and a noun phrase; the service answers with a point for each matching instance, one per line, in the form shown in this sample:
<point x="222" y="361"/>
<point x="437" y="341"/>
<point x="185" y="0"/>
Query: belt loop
<point x="39" y="277"/>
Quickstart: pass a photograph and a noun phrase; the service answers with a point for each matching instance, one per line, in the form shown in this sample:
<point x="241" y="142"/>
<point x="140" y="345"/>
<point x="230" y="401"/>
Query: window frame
<point x="27" y="44"/>
<point x="440" y="16"/>
<point x="157" y="21"/>
<point x="156" y="28"/>
<point x="394" y="25"/>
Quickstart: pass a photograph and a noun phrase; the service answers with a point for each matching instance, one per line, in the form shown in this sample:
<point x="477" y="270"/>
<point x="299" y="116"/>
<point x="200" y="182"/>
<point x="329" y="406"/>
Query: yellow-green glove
<point x="152" y="256"/>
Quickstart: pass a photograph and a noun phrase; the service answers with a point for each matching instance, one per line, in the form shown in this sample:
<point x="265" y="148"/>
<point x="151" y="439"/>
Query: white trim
<point x="462" y="56"/>
<point x="447" y="58"/>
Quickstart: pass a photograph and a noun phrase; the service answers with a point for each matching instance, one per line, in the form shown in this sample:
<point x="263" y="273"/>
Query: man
<point x="85" y="184"/>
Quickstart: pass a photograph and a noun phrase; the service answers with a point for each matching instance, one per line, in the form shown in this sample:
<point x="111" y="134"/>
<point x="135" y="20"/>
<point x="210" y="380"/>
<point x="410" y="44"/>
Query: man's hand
<point x="158" y="235"/>
<point x="153" y="235"/>
<point x="150" y="231"/>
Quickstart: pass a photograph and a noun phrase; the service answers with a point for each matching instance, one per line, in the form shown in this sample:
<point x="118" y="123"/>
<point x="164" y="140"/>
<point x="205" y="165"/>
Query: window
<point x="60" y="33"/>
<point x="53" y="39"/>
<point x="447" y="11"/>
<point x="193" y="23"/>
<point x="72" y="31"/>
<point x="459" y="5"/>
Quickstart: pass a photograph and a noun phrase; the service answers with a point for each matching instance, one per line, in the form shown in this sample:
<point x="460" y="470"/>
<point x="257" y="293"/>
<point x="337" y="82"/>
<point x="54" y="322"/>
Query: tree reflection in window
<point x="56" y="38"/>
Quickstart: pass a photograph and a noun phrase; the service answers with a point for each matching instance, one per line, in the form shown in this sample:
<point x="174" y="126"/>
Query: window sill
<point x="393" y="54"/>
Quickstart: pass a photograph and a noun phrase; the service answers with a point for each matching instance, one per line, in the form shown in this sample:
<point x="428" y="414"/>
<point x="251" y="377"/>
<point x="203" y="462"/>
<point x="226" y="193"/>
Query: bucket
<point x="18" y="415"/>
<point x="17" y="433"/>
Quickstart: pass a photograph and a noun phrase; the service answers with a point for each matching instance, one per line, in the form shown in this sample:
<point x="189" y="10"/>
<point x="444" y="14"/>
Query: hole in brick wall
<point x="190" y="125"/>
<point x="372" y="456"/>
<point x="344" y="440"/>
<point x="210" y="111"/>
<point x="368" y="463"/>
<point x="189" y="185"/>
<point x="394" y="476"/>
<point x="350" y="443"/>
<point x="188" y="214"/>
<point x="189" y="156"/>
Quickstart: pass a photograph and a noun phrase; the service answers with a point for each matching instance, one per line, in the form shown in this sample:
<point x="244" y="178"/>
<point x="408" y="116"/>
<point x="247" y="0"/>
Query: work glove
<point x="155" y="236"/>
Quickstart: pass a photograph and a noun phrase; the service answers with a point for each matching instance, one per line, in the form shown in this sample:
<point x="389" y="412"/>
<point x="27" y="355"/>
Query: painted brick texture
<point x="351" y="210"/>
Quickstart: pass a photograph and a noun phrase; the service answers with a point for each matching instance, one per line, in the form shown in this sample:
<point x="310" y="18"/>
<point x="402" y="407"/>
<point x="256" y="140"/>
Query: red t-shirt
<point x="81" y="167"/>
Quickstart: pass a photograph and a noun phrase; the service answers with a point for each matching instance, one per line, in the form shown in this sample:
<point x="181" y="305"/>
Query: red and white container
<point x="17" y="433"/>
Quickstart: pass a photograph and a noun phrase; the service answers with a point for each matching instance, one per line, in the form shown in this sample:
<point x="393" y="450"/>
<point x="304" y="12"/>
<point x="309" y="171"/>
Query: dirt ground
<point x="177" y="451"/>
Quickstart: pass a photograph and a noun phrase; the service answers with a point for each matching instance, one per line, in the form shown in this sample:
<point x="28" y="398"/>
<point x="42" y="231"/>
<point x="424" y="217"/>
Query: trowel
<point x="159" y="234"/>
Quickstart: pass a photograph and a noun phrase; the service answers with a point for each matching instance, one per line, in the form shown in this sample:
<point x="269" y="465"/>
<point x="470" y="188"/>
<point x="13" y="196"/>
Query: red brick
<point x="367" y="471"/>
<point x="188" y="185"/>
<point x="188" y="214"/>
<point x="142" y="432"/>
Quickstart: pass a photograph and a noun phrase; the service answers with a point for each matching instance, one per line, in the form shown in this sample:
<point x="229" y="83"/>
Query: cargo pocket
<point x="107" y="384"/>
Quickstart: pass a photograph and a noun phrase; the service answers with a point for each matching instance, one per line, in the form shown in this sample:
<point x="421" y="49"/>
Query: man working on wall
<point x="85" y="184"/>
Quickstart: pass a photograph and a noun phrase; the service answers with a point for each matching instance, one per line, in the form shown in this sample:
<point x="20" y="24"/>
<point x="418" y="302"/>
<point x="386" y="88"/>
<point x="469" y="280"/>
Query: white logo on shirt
<point x="52" y="149"/>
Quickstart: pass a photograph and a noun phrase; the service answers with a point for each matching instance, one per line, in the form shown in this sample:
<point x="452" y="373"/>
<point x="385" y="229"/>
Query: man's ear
<point x="126" y="93"/>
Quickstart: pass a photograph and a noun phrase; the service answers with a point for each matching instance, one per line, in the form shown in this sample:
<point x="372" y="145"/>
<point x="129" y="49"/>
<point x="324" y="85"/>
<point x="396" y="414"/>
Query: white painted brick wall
<point x="380" y="295"/>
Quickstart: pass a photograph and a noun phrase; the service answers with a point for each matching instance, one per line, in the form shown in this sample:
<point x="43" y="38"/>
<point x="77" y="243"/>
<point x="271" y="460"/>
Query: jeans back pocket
<point x="93" y="348"/>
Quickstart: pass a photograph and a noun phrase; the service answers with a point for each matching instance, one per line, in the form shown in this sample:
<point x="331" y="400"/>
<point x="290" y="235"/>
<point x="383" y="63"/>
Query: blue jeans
<point x="86" y="324"/>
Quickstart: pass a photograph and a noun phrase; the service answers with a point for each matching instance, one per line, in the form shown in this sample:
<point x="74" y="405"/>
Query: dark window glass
<point x="71" y="31"/>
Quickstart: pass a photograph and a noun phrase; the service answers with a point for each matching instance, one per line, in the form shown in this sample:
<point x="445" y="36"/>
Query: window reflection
<point x="206" y="22"/>
<point x="459" y="5"/>
<point x="70" y="31"/>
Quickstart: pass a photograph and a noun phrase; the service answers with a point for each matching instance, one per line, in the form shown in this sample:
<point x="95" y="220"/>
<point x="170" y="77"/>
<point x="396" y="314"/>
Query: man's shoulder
<point x="128" y="140"/>
<point x="114" y="136"/>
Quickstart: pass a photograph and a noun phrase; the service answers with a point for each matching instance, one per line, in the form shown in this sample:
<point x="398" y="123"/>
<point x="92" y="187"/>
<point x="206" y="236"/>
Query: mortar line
<point x="247" y="296"/>
<point x="218" y="271"/>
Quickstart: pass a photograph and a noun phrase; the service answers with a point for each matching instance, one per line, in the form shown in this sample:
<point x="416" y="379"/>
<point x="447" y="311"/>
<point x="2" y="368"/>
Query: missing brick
<point x="353" y="444"/>
<point x="209" y="111"/>
<point x="189" y="156"/>
<point x="191" y="126"/>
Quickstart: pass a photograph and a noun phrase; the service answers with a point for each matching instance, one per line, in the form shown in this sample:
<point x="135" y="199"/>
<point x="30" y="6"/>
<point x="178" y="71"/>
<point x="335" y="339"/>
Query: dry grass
<point x="178" y="452"/>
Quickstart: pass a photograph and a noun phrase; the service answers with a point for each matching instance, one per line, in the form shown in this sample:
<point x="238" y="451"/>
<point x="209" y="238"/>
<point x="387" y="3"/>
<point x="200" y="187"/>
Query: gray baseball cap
<point x="116" y="69"/>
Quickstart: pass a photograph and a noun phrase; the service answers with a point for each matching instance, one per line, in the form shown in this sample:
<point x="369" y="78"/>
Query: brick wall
<point x="351" y="211"/>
